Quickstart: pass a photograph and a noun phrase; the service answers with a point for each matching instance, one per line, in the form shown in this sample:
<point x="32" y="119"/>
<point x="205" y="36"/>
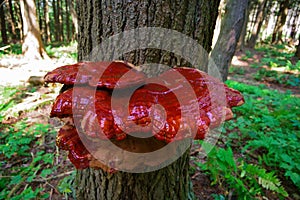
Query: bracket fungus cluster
<point x="179" y="103"/>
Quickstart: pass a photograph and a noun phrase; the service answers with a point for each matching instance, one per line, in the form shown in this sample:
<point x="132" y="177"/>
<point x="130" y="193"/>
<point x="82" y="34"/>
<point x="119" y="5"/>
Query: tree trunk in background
<point x="47" y="21"/>
<point x="99" y="20"/>
<point x="283" y="11"/>
<point x="19" y="21"/>
<point x="74" y="19"/>
<point x="32" y="46"/>
<point x="67" y="2"/>
<point x="258" y="23"/>
<point x="294" y="24"/>
<point x="3" y="24"/>
<point x="13" y="20"/>
<point x="56" y="20"/>
<point x="60" y="20"/>
<point x="231" y="28"/>
<point x="297" y="54"/>
<point x="242" y="39"/>
<point x="39" y="15"/>
<point x="221" y="10"/>
<point x="254" y="8"/>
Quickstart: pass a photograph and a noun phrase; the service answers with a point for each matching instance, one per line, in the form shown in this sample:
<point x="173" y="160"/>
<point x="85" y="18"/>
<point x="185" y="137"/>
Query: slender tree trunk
<point x="3" y="24"/>
<point x="242" y="39"/>
<point x="32" y="46"/>
<point x="56" y="20"/>
<point x="218" y="23"/>
<point x="294" y="24"/>
<point x="19" y="21"/>
<point x="230" y="33"/>
<point x="13" y="20"/>
<point x="283" y="11"/>
<point x="39" y="15"/>
<point x="254" y="8"/>
<point x="47" y="21"/>
<point x="98" y="20"/>
<point x="74" y="19"/>
<point x="297" y="54"/>
<point x="258" y="23"/>
<point x="60" y="21"/>
<point x="67" y="2"/>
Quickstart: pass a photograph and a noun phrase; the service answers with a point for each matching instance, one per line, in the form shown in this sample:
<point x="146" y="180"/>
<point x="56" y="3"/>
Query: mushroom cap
<point x="172" y="106"/>
<point x="76" y="100"/>
<point x="68" y="139"/>
<point x="97" y="74"/>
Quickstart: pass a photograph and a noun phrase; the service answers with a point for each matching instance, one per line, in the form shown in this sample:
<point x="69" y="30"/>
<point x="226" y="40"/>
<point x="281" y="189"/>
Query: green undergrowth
<point x="11" y="49"/>
<point x="27" y="153"/>
<point x="62" y="50"/>
<point x="58" y="50"/>
<point x="280" y="69"/>
<point x="265" y="136"/>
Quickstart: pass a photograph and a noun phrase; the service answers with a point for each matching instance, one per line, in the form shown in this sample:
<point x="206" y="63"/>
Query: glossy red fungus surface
<point x="180" y="103"/>
<point x="98" y="74"/>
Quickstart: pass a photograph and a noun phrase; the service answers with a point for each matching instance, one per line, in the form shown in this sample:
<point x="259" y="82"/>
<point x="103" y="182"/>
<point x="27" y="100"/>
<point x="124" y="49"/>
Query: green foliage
<point x="248" y="54"/>
<point x="62" y="51"/>
<point x="277" y="56"/>
<point x="66" y="186"/>
<point x="268" y="124"/>
<point x="22" y="141"/>
<point x="6" y="98"/>
<point x="13" y="49"/>
<point x="273" y="76"/>
<point x="236" y="70"/>
<point x="246" y="180"/>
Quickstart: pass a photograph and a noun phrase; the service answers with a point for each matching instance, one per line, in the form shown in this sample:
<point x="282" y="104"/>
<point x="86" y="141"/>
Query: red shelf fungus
<point x="159" y="106"/>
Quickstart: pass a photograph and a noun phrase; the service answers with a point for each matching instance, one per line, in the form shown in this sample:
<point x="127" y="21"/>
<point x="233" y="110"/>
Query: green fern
<point x="267" y="180"/>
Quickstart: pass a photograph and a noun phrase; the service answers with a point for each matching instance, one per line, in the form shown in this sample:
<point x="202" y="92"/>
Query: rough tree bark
<point x="230" y="33"/>
<point x="32" y="46"/>
<point x="258" y="23"/>
<point x="101" y="19"/>
<point x="280" y="22"/>
<point x="3" y="24"/>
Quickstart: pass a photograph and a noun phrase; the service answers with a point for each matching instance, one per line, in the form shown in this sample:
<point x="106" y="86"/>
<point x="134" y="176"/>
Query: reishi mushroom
<point x="91" y="103"/>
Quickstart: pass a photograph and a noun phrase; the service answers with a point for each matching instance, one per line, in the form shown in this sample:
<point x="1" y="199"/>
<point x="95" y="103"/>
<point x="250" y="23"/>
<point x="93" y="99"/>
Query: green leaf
<point x="46" y="172"/>
<point x="16" y="179"/>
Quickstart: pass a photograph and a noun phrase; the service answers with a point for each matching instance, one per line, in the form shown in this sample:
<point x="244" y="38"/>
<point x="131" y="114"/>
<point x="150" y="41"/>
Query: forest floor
<point x="246" y="69"/>
<point x="56" y="185"/>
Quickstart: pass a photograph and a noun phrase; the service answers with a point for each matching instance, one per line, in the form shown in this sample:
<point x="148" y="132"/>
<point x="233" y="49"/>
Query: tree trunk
<point x="13" y="20"/>
<point x="47" y="21"/>
<point x="230" y="33"/>
<point x="258" y="23"/>
<point x="60" y="20"/>
<point x="39" y="16"/>
<point x="297" y="54"/>
<point x="74" y="19"/>
<point x="67" y="2"/>
<point x="242" y="39"/>
<point x="280" y="22"/>
<point x="32" y="46"/>
<point x="19" y="21"/>
<point x="98" y="20"/>
<point x="171" y="182"/>
<point x="218" y="23"/>
<point x="3" y="24"/>
<point x="294" y="24"/>
<point x="56" y="20"/>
